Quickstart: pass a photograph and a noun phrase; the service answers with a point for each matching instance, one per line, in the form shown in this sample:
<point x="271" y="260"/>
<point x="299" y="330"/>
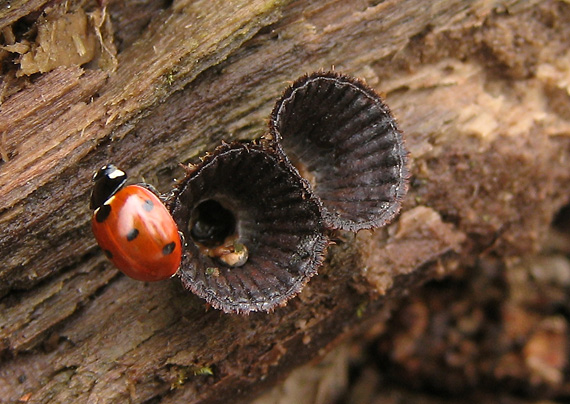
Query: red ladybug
<point x="133" y="227"/>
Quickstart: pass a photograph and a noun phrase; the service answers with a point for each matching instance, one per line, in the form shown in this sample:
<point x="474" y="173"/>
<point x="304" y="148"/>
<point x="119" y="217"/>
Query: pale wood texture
<point x="479" y="88"/>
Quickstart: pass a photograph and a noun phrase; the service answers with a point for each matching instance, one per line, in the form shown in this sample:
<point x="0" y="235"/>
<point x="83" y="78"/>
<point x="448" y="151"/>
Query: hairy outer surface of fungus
<point x="341" y="136"/>
<point x="245" y="197"/>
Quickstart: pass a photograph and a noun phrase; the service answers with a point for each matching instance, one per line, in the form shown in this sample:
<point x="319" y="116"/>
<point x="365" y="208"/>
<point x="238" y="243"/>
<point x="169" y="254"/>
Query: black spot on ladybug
<point x="102" y="213"/>
<point x="132" y="234"/>
<point x="148" y="205"/>
<point x="168" y="248"/>
<point x="108" y="253"/>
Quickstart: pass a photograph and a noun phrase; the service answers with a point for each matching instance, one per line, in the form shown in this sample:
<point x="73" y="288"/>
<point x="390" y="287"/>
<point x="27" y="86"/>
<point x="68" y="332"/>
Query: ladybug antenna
<point x="108" y="180"/>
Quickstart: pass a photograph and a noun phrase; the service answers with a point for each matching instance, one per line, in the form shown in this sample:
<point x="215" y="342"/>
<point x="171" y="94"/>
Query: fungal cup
<point x="253" y="228"/>
<point x="343" y="139"/>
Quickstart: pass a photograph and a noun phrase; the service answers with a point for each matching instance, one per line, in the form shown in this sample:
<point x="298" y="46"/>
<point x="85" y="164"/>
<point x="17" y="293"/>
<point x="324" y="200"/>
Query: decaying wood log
<point x="480" y="89"/>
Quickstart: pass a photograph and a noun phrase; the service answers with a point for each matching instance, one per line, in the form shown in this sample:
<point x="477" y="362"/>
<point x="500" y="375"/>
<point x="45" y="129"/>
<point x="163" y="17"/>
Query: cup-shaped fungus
<point x="253" y="229"/>
<point x="342" y="138"/>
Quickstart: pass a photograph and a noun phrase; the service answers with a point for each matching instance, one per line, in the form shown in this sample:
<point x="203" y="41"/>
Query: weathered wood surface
<point x="479" y="87"/>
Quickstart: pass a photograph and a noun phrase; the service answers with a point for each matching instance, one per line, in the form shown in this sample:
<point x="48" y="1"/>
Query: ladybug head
<point x="108" y="180"/>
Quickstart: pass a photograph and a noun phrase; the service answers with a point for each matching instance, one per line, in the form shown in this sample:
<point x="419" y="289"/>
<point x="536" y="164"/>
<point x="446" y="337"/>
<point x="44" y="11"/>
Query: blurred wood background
<point x="480" y="89"/>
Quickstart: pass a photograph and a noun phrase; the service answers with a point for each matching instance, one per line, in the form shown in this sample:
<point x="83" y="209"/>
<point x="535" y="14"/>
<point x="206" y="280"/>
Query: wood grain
<point x="489" y="173"/>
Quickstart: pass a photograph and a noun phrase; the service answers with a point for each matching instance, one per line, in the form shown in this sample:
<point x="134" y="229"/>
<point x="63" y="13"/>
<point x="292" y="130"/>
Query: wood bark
<point x="480" y="89"/>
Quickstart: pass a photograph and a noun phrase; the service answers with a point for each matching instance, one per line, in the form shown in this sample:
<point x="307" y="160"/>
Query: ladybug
<point x="133" y="227"/>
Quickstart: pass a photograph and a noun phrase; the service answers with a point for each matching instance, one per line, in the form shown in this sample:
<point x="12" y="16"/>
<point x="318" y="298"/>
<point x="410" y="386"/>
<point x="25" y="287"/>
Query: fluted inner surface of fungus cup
<point x="245" y="196"/>
<point x="343" y="139"/>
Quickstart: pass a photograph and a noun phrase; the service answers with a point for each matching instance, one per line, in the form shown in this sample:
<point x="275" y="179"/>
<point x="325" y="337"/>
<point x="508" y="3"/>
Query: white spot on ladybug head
<point x="116" y="173"/>
<point x="109" y="171"/>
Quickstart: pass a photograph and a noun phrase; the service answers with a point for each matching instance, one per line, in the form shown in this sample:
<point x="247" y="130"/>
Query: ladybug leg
<point x="182" y="238"/>
<point x="152" y="189"/>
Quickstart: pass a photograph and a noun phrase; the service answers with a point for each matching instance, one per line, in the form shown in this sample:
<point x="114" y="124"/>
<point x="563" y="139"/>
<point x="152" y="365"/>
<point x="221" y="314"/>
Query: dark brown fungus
<point x="253" y="229"/>
<point x="342" y="138"/>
